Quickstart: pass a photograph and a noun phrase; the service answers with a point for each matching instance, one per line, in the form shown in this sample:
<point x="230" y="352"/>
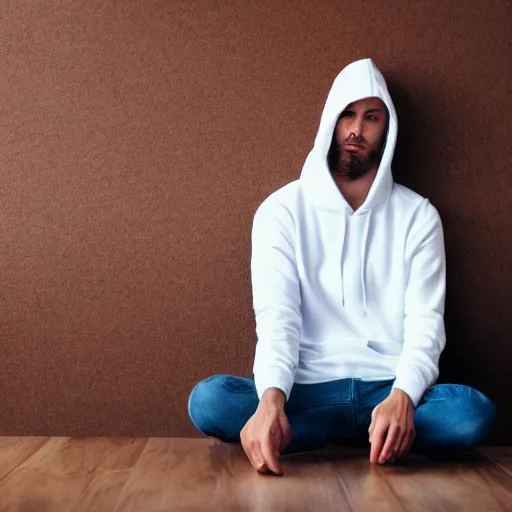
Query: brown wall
<point x="138" y="137"/>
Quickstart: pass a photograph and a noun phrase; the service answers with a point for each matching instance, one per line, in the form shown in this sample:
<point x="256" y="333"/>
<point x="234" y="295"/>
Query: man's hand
<point x="267" y="433"/>
<point x="392" y="428"/>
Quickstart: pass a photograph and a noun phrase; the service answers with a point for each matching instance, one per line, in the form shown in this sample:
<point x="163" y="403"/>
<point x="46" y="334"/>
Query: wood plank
<point x="203" y="475"/>
<point x="453" y="485"/>
<point x="126" y="474"/>
<point x="365" y="485"/>
<point x="502" y="455"/>
<point x="87" y="454"/>
<point x="67" y="472"/>
<point x="418" y="484"/>
<point x="15" y="450"/>
<point x="309" y="484"/>
<point x="33" y="491"/>
<point x="500" y="485"/>
<point x="102" y="492"/>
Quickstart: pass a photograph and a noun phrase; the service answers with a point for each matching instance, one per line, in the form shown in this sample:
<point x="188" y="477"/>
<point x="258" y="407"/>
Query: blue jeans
<point x="449" y="418"/>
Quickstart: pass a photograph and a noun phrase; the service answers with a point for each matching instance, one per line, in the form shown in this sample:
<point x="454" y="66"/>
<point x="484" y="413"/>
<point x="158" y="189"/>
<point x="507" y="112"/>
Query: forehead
<point x="367" y="104"/>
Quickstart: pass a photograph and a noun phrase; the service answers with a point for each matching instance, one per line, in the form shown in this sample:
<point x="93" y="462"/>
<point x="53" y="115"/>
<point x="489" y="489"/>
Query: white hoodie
<point x="339" y="293"/>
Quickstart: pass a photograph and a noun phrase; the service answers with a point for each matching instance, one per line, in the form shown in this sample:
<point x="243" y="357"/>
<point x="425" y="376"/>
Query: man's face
<point x="358" y="137"/>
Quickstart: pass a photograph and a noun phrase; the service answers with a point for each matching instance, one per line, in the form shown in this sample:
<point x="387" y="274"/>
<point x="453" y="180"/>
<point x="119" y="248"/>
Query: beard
<point x="349" y="164"/>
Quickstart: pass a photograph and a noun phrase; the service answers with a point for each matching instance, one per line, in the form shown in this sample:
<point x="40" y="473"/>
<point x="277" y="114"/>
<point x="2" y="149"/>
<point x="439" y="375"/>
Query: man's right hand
<point x="267" y="433"/>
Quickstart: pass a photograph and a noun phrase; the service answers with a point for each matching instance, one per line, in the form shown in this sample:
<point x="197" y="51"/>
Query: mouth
<point x="353" y="147"/>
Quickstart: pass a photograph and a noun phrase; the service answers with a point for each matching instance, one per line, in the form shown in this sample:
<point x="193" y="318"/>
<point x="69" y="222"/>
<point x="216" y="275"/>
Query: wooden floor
<point x="159" y="474"/>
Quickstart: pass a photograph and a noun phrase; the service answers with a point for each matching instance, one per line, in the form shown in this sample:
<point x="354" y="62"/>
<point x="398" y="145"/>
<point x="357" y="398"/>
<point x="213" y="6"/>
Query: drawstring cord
<point x="341" y="258"/>
<point x="363" y="262"/>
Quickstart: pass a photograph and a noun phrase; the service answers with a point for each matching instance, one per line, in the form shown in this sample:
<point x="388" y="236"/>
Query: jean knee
<point x="480" y="415"/>
<point x="203" y="401"/>
<point x="485" y="415"/>
<point x="454" y="417"/>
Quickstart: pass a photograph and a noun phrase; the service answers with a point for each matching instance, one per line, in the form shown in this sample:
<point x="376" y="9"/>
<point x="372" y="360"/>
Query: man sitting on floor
<point x="348" y="277"/>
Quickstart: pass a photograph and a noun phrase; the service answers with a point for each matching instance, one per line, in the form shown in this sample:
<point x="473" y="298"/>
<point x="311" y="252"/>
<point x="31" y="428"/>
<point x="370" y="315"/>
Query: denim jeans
<point x="449" y="418"/>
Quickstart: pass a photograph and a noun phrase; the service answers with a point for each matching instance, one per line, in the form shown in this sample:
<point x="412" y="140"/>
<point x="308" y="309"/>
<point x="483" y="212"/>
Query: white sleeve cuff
<point x="273" y="378"/>
<point x="413" y="386"/>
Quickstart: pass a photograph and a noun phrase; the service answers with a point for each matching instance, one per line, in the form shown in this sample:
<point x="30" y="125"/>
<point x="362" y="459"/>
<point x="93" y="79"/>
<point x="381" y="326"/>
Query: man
<point x="348" y="277"/>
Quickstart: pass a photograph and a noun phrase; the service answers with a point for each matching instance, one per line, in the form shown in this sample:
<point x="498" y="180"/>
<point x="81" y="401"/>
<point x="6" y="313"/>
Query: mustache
<point x="360" y="141"/>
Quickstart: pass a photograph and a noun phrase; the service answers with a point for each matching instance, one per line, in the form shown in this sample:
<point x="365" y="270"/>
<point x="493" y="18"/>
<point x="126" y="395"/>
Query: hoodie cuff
<point x="273" y="378"/>
<point x="413" y="386"/>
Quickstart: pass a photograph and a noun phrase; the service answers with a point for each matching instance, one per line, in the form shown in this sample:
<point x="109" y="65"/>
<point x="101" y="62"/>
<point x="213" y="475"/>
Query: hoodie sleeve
<point x="424" y="332"/>
<point x="276" y="298"/>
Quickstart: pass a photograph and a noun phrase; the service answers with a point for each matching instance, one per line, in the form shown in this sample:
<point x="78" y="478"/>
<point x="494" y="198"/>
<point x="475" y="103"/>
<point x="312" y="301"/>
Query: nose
<point x="357" y="128"/>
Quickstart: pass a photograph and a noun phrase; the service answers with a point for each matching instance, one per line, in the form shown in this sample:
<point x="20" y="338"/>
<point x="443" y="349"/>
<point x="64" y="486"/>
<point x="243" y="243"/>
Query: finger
<point x="401" y="440"/>
<point x="286" y="434"/>
<point x="378" y="437"/>
<point x="263" y="469"/>
<point x="409" y="438"/>
<point x="404" y="447"/>
<point x="373" y="423"/>
<point x="269" y="449"/>
<point x="407" y="443"/>
<point x="387" y="450"/>
<point x="253" y="451"/>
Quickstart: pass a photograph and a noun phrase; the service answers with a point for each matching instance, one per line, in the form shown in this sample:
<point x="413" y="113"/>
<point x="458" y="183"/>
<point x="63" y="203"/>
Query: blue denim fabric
<point x="449" y="418"/>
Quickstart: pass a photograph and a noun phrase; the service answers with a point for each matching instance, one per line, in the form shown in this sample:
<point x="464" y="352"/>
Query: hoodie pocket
<point x="386" y="348"/>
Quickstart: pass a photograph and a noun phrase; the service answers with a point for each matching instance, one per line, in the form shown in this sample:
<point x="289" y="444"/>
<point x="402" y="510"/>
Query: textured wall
<point x="138" y="137"/>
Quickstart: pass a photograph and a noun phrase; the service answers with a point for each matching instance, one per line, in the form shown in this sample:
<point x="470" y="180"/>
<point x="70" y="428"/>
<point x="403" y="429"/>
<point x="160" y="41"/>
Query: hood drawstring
<point x="364" y="244"/>
<point x="341" y="257"/>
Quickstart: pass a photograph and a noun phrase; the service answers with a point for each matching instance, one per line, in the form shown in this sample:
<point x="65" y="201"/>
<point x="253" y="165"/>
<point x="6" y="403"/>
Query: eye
<point x="347" y="113"/>
<point x="371" y="117"/>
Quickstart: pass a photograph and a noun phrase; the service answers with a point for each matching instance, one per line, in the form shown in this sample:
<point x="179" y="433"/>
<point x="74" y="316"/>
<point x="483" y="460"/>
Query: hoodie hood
<point x="357" y="81"/>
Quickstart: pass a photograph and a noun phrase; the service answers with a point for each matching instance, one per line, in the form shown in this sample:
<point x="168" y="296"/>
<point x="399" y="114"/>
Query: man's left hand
<point x="392" y="428"/>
